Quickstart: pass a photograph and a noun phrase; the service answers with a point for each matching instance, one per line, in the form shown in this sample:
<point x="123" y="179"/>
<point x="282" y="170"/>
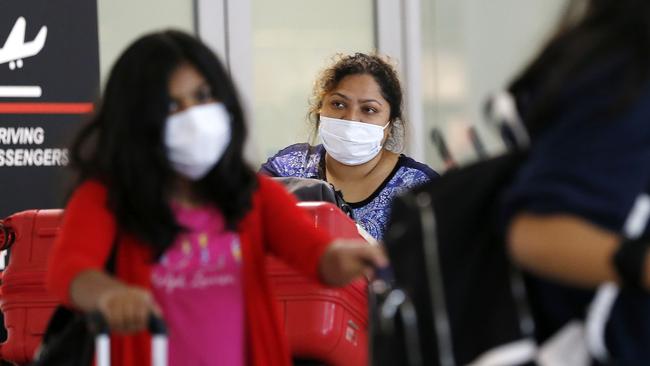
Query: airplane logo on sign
<point x="16" y="49"/>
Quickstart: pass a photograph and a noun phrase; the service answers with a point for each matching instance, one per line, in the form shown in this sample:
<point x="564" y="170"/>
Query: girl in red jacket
<point x="164" y="186"/>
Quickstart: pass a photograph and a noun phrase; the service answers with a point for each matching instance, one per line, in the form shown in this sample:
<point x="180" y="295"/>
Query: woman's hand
<point x="345" y="260"/>
<point x="127" y="309"/>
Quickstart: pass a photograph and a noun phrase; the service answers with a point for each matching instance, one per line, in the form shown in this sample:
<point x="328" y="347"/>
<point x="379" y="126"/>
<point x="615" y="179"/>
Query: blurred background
<point x="274" y="49"/>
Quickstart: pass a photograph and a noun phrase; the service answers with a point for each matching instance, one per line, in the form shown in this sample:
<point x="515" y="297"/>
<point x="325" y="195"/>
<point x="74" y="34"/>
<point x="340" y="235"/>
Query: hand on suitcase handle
<point x="126" y="308"/>
<point x="346" y="260"/>
<point x="98" y="325"/>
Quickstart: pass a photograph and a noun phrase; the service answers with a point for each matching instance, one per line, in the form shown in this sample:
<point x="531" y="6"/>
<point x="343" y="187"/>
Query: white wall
<point x="122" y="21"/>
<point x="473" y="48"/>
<point x="470" y="48"/>
<point x="292" y="41"/>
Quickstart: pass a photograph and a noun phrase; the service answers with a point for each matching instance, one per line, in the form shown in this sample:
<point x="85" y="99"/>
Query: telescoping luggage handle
<point x="396" y="302"/>
<point x="99" y="327"/>
<point x="501" y="111"/>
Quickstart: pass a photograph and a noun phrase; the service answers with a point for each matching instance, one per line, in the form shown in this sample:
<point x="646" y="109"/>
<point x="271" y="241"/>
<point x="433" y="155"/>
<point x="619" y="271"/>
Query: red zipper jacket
<point x="274" y="225"/>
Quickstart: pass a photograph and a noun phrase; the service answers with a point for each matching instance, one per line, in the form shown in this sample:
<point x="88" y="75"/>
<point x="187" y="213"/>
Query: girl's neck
<point x="184" y="194"/>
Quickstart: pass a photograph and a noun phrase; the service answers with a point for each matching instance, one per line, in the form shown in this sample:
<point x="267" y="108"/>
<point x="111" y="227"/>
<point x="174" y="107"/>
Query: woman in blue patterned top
<point x="357" y="110"/>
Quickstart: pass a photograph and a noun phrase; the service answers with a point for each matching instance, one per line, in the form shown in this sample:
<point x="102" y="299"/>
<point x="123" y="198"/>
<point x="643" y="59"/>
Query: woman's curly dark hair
<point x="384" y="74"/>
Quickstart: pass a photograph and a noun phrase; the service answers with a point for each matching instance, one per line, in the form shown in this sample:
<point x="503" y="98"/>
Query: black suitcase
<point x="450" y="260"/>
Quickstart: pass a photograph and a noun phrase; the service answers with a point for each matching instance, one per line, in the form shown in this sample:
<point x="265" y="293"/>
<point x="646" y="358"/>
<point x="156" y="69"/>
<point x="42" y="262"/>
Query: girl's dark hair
<point x="363" y="64"/>
<point x="123" y="146"/>
<point x="593" y="37"/>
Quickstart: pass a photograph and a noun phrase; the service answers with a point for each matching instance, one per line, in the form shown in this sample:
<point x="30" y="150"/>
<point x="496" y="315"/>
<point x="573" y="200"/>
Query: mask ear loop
<point x="321" y="171"/>
<point x="389" y="133"/>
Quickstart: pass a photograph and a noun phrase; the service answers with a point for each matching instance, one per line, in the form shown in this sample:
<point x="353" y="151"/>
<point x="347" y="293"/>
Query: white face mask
<point x="197" y="138"/>
<point x="350" y="142"/>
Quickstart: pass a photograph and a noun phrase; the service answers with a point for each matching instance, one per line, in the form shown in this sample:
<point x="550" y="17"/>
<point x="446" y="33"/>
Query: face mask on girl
<point x="197" y="138"/>
<point x="350" y="142"/>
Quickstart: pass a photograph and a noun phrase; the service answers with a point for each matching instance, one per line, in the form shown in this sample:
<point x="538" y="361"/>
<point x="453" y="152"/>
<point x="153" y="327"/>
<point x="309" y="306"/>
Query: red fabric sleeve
<point x="84" y="241"/>
<point x="289" y="232"/>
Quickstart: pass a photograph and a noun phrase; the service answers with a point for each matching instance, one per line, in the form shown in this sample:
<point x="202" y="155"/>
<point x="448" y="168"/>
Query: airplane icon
<point x="16" y="49"/>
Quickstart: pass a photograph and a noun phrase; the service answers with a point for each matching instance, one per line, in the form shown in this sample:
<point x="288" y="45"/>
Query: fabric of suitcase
<point x="25" y="303"/>
<point x="482" y="309"/>
<point x="324" y="324"/>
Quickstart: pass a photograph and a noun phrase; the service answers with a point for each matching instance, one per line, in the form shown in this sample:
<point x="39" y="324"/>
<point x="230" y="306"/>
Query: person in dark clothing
<point x="578" y="209"/>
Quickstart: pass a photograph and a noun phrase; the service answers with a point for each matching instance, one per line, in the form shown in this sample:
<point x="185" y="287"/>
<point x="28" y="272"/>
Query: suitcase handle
<point x="99" y="326"/>
<point x="7" y="236"/>
<point x="396" y="302"/>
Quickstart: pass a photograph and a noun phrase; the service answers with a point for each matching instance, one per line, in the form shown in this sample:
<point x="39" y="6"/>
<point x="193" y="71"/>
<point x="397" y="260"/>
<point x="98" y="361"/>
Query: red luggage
<point x="322" y="324"/>
<point x="26" y="305"/>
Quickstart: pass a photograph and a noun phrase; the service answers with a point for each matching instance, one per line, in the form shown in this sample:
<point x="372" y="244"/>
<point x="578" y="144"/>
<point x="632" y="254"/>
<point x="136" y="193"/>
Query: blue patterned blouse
<point x="305" y="161"/>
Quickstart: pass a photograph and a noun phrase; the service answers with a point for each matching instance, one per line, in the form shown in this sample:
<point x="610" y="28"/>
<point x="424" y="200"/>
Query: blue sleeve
<point x="270" y="168"/>
<point x="297" y="160"/>
<point x="590" y="163"/>
<point x="423" y="173"/>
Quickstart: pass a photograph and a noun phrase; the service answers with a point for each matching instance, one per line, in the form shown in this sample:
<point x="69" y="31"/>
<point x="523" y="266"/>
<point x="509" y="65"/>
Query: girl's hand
<point x="127" y="309"/>
<point x="346" y="260"/>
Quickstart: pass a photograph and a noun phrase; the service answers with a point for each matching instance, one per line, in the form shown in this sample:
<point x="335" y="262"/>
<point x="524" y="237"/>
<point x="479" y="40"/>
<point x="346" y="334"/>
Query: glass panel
<point x="292" y="41"/>
<point x="472" y="48"/>
<point x="122" y="21"/>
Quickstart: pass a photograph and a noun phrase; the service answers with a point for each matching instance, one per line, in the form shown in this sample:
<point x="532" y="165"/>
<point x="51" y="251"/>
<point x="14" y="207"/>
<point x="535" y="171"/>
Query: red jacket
<point x="273" y="225"/>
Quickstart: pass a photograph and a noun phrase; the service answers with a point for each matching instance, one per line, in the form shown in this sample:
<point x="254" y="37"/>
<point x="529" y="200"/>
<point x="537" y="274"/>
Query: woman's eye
<point x="338" y="105"/>
<point x="370" y="110"/>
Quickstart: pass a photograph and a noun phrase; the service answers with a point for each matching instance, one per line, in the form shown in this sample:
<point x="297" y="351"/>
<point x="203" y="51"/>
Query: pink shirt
<point x="198" y="285"/>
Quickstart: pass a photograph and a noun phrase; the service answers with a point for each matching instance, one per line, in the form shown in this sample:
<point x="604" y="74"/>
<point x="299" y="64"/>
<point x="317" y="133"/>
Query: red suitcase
<point x="25" y="303"/>
<point x="322" y="324"/>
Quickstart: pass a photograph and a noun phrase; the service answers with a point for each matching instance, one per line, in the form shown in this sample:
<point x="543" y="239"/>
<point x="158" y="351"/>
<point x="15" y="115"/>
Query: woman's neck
<point x="337" y="171"/>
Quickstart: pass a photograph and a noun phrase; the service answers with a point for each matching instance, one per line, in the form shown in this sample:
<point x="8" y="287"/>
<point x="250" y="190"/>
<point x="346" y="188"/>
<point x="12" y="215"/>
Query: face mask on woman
<point x="350" y="142"/>
<point x="197" y="138"/>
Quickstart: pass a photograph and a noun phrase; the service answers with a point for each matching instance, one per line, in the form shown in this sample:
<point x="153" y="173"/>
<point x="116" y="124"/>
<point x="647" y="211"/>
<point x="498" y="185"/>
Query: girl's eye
<point x="204" y="95"/>
<point x="370" y="110"/>
<point x="173" y="107"/>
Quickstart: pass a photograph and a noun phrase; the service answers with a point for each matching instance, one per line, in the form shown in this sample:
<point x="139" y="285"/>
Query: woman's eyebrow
<point x="370" y="100"/>
<point x="361" y="100"/>
<point x="341" y="95"/>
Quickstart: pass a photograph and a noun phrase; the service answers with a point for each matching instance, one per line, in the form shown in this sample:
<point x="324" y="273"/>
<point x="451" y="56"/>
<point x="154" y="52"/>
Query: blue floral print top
<point x="305" y="161"/>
